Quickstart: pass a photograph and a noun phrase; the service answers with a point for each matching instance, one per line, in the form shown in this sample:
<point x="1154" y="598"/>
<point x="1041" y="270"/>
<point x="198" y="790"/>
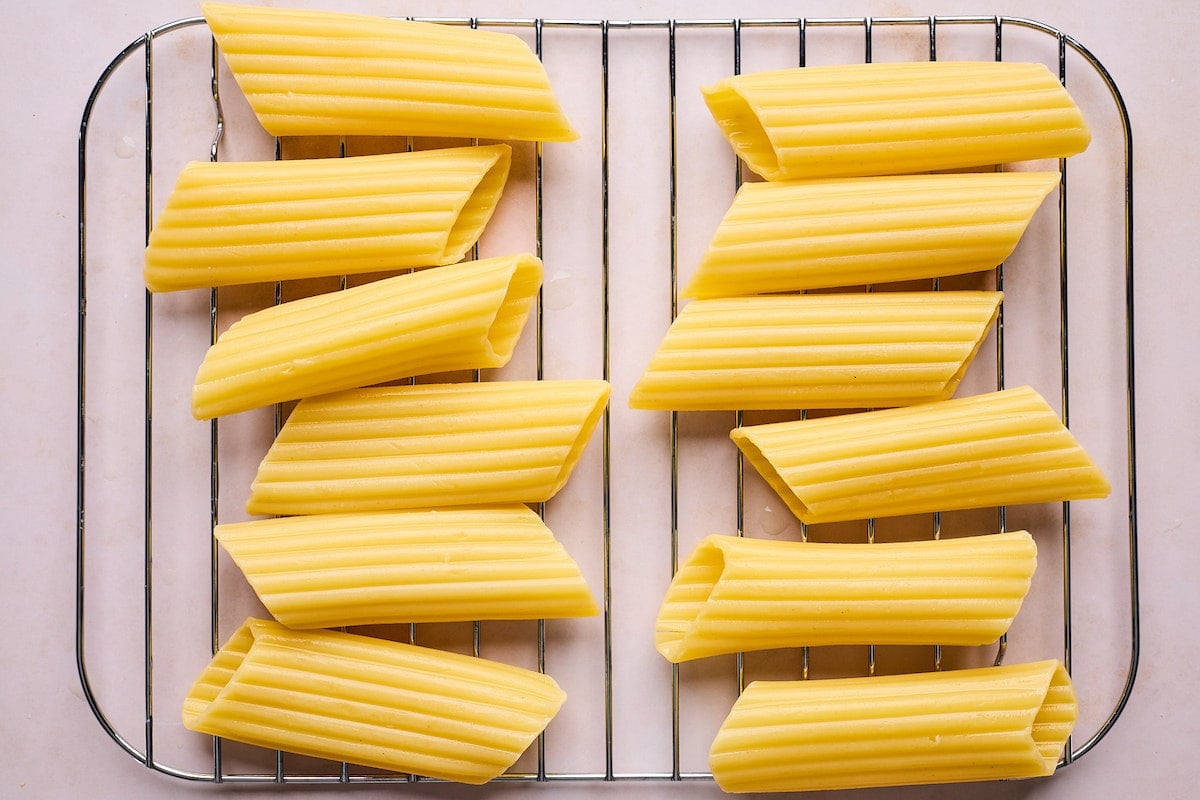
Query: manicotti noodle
<point x="246" y="222"/>
<point x="430" y="445"/>
<point x="441" y="565"/>
<point x="860" y="350"/>
<point x="371" y="701"/>
<point x="992" y="449"/>
<point x="737" y="594"/>
<point x="464" y="316"/>
<point x="894" y="118"/>
<point x="323" y="72"/>
<point x="980" y="724"/>
<point x="785" y="236"/>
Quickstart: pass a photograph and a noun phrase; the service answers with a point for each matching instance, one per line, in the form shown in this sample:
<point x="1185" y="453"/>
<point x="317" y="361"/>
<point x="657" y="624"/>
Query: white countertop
<point x="53" y="53"/>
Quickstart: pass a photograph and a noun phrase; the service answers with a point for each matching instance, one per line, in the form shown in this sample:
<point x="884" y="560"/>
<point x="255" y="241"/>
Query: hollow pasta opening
<point x="218" y="675"/>
<point x="686" y="600"/>
<point x="579" y="443"/>
<point x="1055" y="719"/>
<point x="478" y="207"/>
<point x="506" y="326"/>
<point x="952" y="385"/>
<point x="767" y="470"/>
<point x="743" y="128"/>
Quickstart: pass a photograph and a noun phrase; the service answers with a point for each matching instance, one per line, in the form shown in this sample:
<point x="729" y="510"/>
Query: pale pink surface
<point x="53" y="54"/>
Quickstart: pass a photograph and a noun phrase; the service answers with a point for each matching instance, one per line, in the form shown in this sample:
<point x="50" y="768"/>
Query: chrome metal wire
<point x="605" y="31"/>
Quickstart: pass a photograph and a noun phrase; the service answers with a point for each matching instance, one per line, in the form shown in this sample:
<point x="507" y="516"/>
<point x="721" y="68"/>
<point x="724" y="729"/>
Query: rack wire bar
<point x="1001" y="515"/>
<point x="606" y="420"/>
<point x="605" y="31"/>
<point x="147" y="430"/>
<point x="739" y="659"/>
<point x="674" y="433"/>
<point x="1064" y="360"/>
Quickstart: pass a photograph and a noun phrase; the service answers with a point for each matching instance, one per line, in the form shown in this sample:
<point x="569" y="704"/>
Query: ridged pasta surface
<point x="428" y="445"/>
<point x="786" y="236"/>
<point x="990" y="723"/>
<point x="323" y="72"/>
<point x="738" y="594"/>
<point x="999" y="448"/>
<point x="371" y="701"/>
<point x="246" y="222"/>
<point x="464" y="316"/>
<point x="816" y="351"/>
<point x="443" y="565"/>
<point x="895" y="118"/>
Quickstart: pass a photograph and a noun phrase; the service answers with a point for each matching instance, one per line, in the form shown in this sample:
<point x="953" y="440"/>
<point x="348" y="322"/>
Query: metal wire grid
<point x="604" y="30"/>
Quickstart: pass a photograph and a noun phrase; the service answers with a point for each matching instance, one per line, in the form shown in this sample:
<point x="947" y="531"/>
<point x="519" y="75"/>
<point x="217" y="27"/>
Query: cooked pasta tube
<point x="993" y="449"/>
<point x="979" y="724"/>
<point x="247" y="222"/>
<point x="323" y="72"/>
<point x="785" y="236"/>
<point x="737" y="594"/>
<point x="371" y="701"/>
<point x="463" y="316"/>
<point x="893" y="118"/>
<point x="429" y="445"/>
<point x="862" y="350"/>
<point x="330" y="570"/>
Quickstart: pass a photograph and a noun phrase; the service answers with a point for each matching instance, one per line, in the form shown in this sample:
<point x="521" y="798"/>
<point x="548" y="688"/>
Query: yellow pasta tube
<point x="894" y="118"/>
<point x="330" y="570"/>
<point x="980" y="724"/>
<point x="992" y="449"/>
<point x="738" y="594"/>
<point x="785" y="236"/>
<point x="246" y="222"/>
<point x="464" y="316"/>
<point x="371" y="701"/>
<point x="432" y="445"/>
<point x="861" y="350"/>
<point x="323" y="72"/>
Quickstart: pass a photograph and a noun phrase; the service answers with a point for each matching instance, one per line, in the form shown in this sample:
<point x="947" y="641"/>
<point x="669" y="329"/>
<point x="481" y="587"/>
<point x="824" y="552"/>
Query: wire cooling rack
<point x="628" y="210"/>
